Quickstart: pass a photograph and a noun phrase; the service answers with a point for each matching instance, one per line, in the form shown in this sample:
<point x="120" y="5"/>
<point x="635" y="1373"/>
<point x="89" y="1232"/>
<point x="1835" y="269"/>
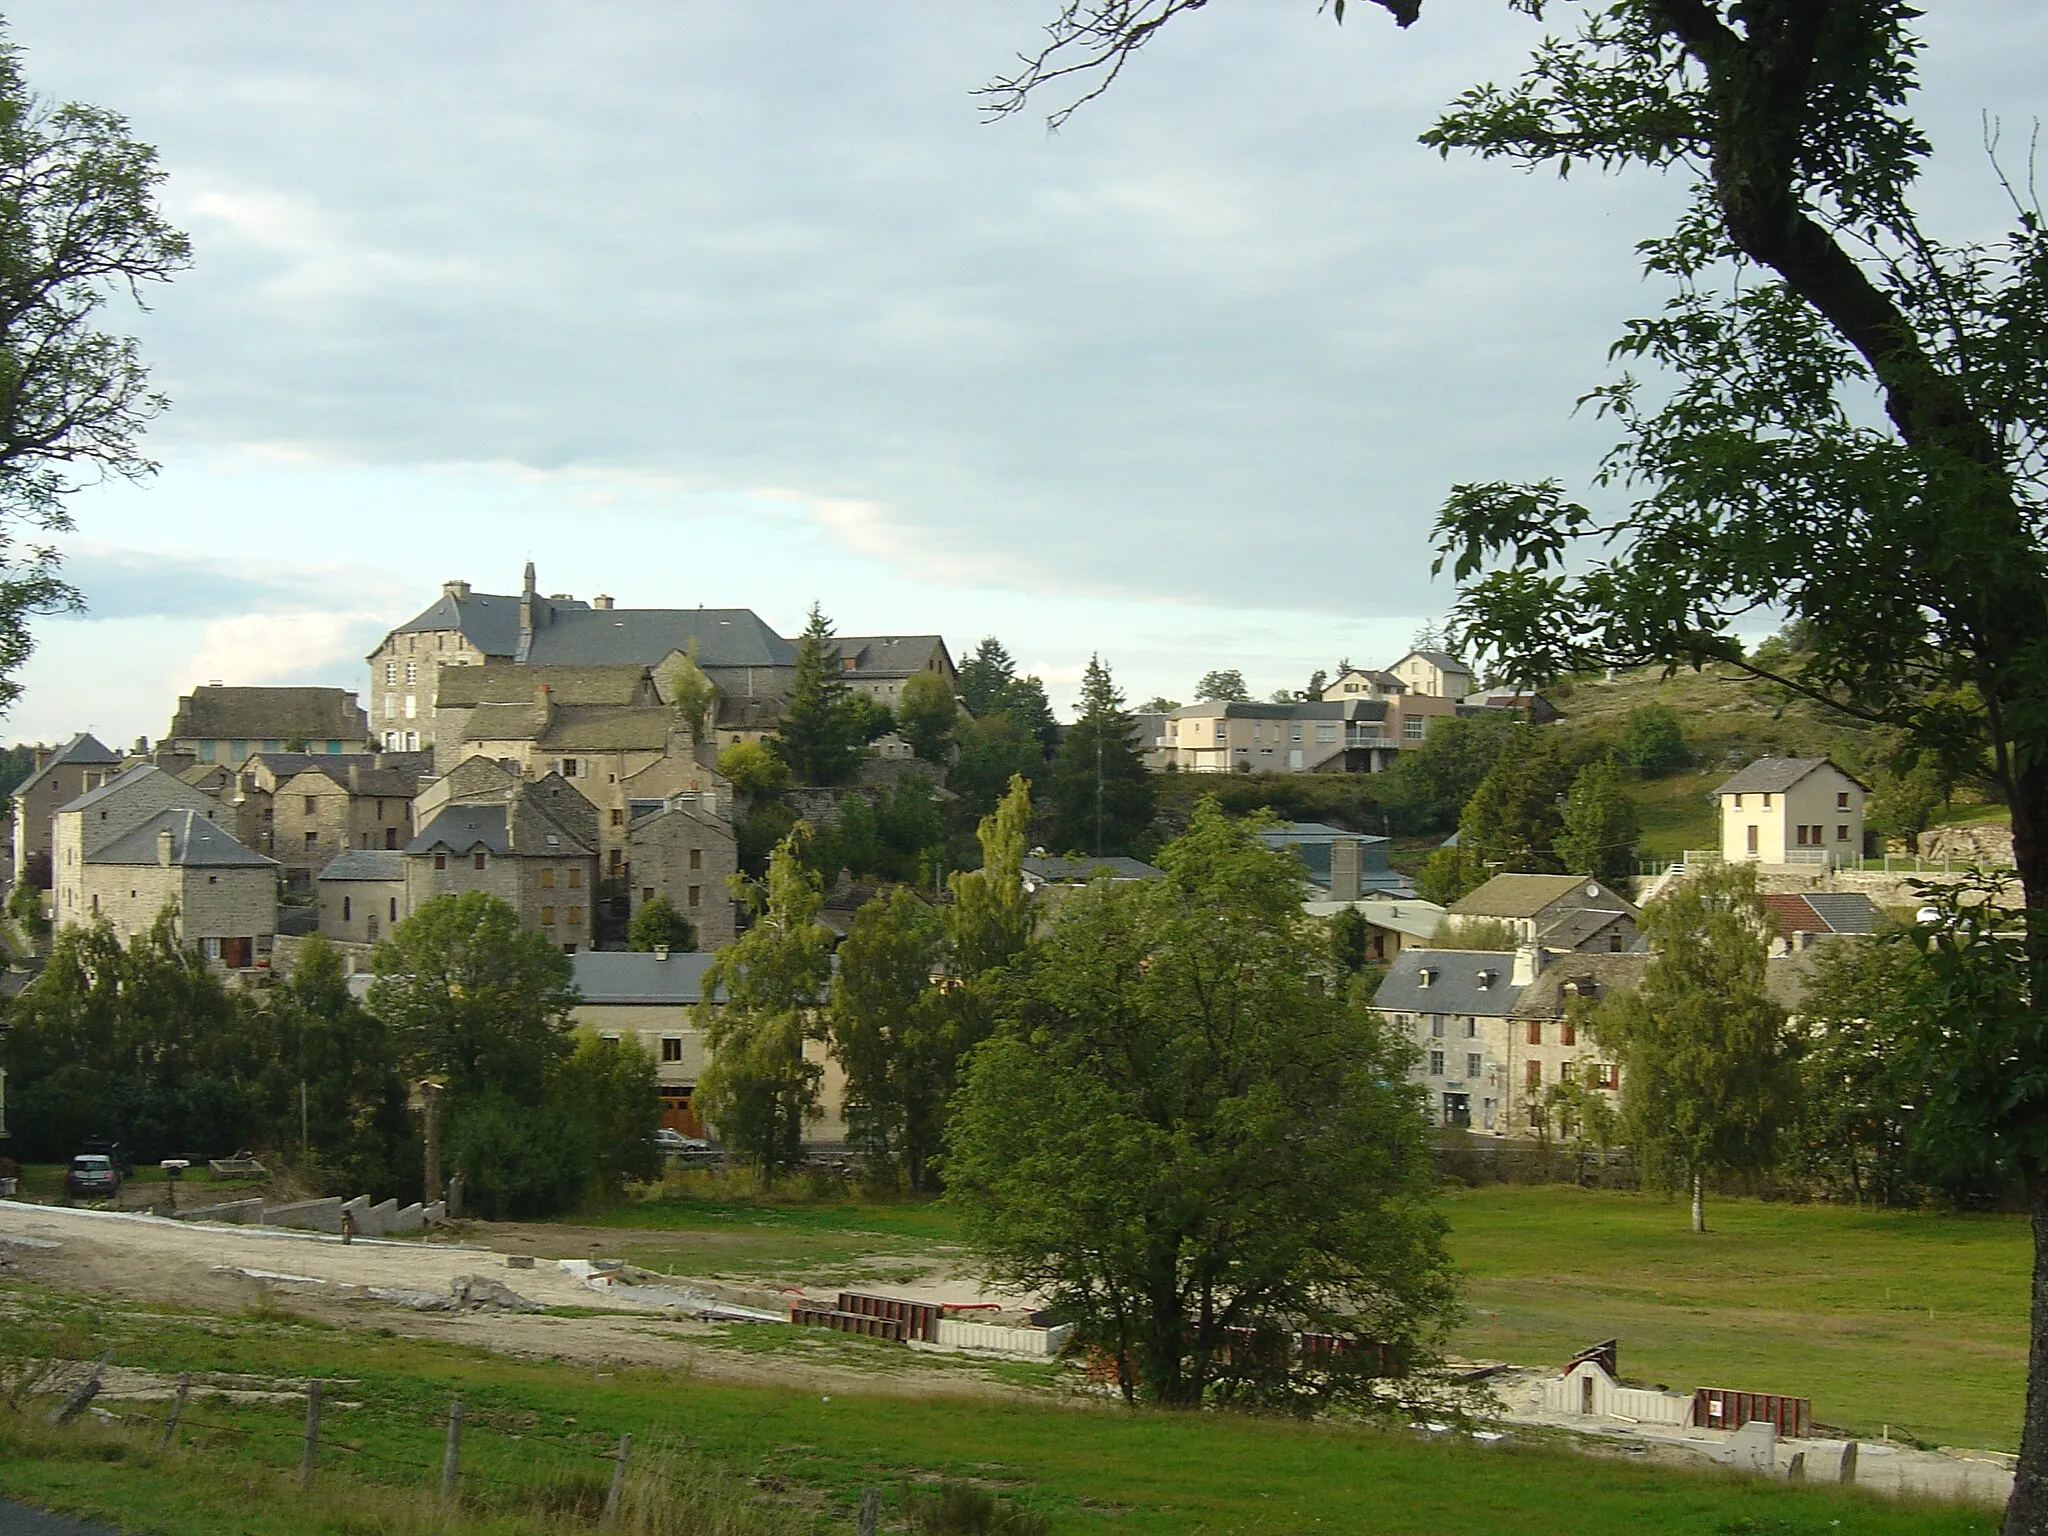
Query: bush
<point x="961" y="1509"/>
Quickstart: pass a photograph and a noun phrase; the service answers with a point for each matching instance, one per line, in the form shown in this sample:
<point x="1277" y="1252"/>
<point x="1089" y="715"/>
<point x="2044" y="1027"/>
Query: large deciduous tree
<point x="78" y="224"/>
<point x="1709" y="1074"/>
<point x="1599" y="827"/>
<point x="1190" y="1137"/>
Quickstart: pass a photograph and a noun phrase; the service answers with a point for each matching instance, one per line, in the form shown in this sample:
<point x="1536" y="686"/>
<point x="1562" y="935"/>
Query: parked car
<point x="666" y="1140"/>
<point x="93" y="1176"/>
<point x="115" y="1152"/>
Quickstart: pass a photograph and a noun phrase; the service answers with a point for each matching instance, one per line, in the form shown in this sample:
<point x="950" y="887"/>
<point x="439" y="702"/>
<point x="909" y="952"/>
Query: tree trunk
<point x="1699" y="1203"/>
<point x="2027" y="1512"/>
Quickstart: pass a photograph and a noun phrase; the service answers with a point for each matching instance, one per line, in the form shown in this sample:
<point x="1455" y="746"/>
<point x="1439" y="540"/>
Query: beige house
<point x="1559" y="912"/>
<point x="225" y="725"/>
<point x="102" y="816"/>
<point x="1434" y="673"/>
<point x="534" y="848"/>
<point x="1357" y="735"/>
<point x="82" y="763"/>
<point x="1791" y="810"/>
<point x="653" y="999"/>
<point x="224" y="895"/>
<point x="363" y="895"/>
<point x="737" y="651"/>
<point x="1364" y="683"/>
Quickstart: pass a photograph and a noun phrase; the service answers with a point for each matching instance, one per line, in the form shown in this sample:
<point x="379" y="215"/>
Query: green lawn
<point x="1896" y="1317"/>
<point x="534" y="1426"/>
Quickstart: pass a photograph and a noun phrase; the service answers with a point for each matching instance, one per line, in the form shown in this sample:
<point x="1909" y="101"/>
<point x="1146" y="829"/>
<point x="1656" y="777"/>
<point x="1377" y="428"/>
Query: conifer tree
<point x="819" y="738"/>
<point x="1102" y="794"/>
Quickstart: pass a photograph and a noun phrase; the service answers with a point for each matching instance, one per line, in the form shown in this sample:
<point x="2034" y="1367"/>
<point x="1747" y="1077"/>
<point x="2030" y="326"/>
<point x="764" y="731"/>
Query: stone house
<point x="320" y="811"/>
<point x="737" y="651"/>
<point x="102" y="816"/>
<point x="1573" y="912"/>
<point x="225" y="725"/>
<point x="654" y="999"/>
<point x="82" y="763"/>
<point x="879" y="665"/>
<point x="686" y="851"/>
<point x="534" y="848"/>
<point x="362" y="895"/>
<point x="224" y="894"/>
<point x="462" y="691"/>
<point x="1791" y="810"/>
<point x="1436" y="674"/>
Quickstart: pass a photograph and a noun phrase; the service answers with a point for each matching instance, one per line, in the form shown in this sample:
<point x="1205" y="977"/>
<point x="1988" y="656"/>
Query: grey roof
<point x="1774" y="775"/>
<point x="615" y="976"/>
<point x="114" y="786"/>
<point x="1845" y="911"/>
<point x="1084" y="869"/>
<point x="488" y="620"/>
<point x="890" y="655"/>
<point x="725" y="637"/>
<point x="1300" y="709"/>
<point x="195" y="842"/>
<point x="365" y="864"/>
<point x="82" y="750"/>
<point x="1591" y="977"/>
<point x="460" y="828"/>
<point x="1418" y="919"/>
<point x="243" y="714"/>
<point x="1441" y="659"/>
<point x="1528" y="895"/>
<point x="1454" y="986"/>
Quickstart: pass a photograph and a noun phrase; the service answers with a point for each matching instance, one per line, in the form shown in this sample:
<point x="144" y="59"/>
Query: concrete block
<point x="406" y="1218"/>
<point x="435" y="1213"/>
<point x="1754" y="1447"/>
<point x="377" y="1218"/>
<point x="306" y="1215"/>
<point x="237" y="1212"/>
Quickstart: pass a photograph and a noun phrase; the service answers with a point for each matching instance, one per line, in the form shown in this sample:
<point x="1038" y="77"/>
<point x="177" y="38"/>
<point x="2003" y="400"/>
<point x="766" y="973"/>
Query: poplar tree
<point x="764" y="998"/>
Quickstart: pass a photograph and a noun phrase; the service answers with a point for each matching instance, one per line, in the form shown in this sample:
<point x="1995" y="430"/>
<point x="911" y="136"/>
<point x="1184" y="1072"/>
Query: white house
<point x="1791" y="810"/>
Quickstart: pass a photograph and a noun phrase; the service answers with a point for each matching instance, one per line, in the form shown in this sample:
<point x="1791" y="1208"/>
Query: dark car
<point x="93" y="1176"/>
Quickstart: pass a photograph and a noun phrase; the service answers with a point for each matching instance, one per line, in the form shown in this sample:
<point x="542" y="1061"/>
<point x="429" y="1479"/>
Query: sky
<point x="747" y="306"/>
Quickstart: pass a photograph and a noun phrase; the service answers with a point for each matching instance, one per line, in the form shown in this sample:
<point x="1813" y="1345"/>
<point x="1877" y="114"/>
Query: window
<point x="1411" y="730"/>
<point x="312" y="841"/>
<point x="547" y="917"/>
<point x="1842" y="800"/>
<point x="1767" y="802"/>
<point x="440" y="861"/>
<point x="1471" y="1028"/>
<point x="671" y="1048"/>
<point x="1326" y="732"/>
<point x="1567" y="1033"/>
<point x="1752" y="839"/>
<point x="1841" y="834"/>
<point x="1604" y="1074"/>
<point x="1294" y="731"/>
<point x="1535" y="1034"/>
<point x="618" y="862"/>
<point x="312" y="804"/>
<point x="390" y="706"/>
<point x="1532" y="1074"/>
<point x="1569" y="1072"/>
<point x="1738" y="802"/>
<point x="647" y="893"/>
<point x="394" y="909"/>
<point x="412" y="673"/>
<point x="1436" y="1026"/>
<point x="390" y="674"/>
<point x="1800" y="834"/>
<point x="568" y="767"/>
<point x="412" y="706"/>
<point x="1614" y="942"/>
<point x="1473" y="1066"/>
<point x="547" y="879"/>
<point x="575" y="879"/>
<point x="1436" y="1063"/>
<point x="380" y="810"/>
<point x="370" y="927"/>
<point x="575" y="917"/>
<point x="412" y="741"/>
<point x="696" y="891"/>
<point x="477" y="858"/>
<point x="696" y="858"/>
<point x="618" y="818"/>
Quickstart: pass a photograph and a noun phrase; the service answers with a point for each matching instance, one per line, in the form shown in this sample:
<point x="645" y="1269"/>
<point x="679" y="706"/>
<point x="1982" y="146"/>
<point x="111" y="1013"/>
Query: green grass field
<point x="536" y="1431"/>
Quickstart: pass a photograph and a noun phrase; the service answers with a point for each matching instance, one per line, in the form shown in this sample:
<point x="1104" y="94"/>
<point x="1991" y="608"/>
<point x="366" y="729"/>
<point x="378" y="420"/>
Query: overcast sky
<point x="744" y="305"/>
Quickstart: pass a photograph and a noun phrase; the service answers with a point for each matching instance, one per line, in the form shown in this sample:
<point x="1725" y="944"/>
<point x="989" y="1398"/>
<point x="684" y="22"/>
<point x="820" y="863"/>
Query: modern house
<point x="1433" y="673"/>
<point x="1791" y="810"/>
<point x="1355" y="735"/>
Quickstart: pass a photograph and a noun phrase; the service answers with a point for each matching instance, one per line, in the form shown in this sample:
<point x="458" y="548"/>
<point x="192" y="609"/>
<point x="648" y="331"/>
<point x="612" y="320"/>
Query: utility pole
<point x="1098" y="789"/>
<point x="305" y="1135"/>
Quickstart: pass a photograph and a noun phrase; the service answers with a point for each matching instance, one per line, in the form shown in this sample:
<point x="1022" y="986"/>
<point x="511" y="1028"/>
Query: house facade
<point x="534" y="849"/>
<point x="226" y="725"/>
<point x="82" y="763"/>
<point x="1434" y="673"/>
<point x="224" y="894"/>
<point x="1358" y="735"/>
<point x="1791" y="810"/>
<point x="1559" y="912"/>
<point x="684" y="850"/>
<point x="363" y="895"/>
<point x="104" y="815"/>
<point x="879" y="665"/>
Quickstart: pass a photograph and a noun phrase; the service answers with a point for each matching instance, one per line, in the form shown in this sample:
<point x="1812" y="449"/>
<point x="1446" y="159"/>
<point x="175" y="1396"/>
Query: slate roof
<point x="1302" y="709"/>
<point x="1440" y="659"/>
<point x="889" y="655"/>
<point x="726" y="637"/>
<point x="365" y="864"/>
<point x="286" y="765"/>
<point x="1775" y="775"/>
<point x="460" y="828"/>
<point x="242" y="714"/>
<point x="488" y="620"/>
<point x="1079" y="871"/>
<point x="84" y="750"/>
<point x="195" y="843"/>
<point x="1527" y="895"/>
<point x="1454" y="985"/>
<point x="1823" y="912"/>
<point x="594" y="729"/>
<point x="118" y="784"/>
<point x="615" y="976"/>
<point x="1596" y="975"/>
<point x="510" y="683"/>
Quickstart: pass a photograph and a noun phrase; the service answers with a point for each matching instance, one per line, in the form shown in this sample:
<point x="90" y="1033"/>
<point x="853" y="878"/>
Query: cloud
<point x="280" y="647"/>
<point x="121" y="583"/>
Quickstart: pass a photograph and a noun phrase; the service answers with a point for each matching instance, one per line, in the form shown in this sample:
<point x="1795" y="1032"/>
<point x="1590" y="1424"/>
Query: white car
<point x="666" y="1140"/>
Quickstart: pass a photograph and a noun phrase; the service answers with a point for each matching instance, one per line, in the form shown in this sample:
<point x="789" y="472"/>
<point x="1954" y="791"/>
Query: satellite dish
<point x="1592" y="890"/>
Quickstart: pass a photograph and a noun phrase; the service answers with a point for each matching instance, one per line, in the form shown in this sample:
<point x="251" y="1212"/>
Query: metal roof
<point x="195" y="843"/>
<point x="1080" y="870"/>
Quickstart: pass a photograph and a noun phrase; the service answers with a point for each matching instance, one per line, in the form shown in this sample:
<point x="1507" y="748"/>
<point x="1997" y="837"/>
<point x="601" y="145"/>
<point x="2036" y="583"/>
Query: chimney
<point x="166" y="846"/>
<point x="661" y="952"/>
<point x="529" y="615"/>
<point x="1347" y="859"/>
<point x="455" y="589"/>
<point x="142" y="746"/>
<point x="602" y="600"/>
<point x="1528" y="963"/>
<point x="355" y="778"/>
<point x="42" y="757"/>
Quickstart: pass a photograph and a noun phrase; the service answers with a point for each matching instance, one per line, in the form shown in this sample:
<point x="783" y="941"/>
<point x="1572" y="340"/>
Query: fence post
<point x="451" y="1454"/>
<point x="1847" y="1474"/>
<point x="617" y="1493"/>
<point x="312" y="1452"/>
<point x="177" y="1407"/>
<point x="870" y="1510"/>
<point x="76" y="1399"/>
